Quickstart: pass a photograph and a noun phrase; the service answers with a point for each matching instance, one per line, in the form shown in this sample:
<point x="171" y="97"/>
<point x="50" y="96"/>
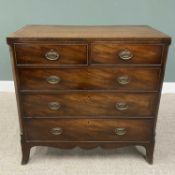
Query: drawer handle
<point x="120" y="131"/>
<point x="53" y="79"/>
<point x="122" y="106"/>
<point x="125" y="55"/>
<point x="54" y="106"/>
<point x="52" y="55"/>
<point x="123" y="80"/>
<point x="56" y="131"/>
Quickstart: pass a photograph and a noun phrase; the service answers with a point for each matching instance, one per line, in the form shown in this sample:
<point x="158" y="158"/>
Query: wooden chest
<point x="88" y="86"/>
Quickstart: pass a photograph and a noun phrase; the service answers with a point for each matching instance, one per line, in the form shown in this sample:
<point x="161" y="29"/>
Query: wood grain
<point x="88" y="129"/>
<point x="91" y="104"/>
<point x="90" y="79"/>
<point x="35" y="53"/>
<point x="119" y="33"/>
<point x="107" y="53"/>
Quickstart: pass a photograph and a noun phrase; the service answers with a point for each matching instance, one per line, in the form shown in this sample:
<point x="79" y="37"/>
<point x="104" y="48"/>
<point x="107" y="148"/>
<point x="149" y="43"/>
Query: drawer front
<point x="125" y="54"/>
<point x="89" y="104"/>
<point x="89" y="79"/>
<point x="88" y="129"/>
<point x="61" y="54"/>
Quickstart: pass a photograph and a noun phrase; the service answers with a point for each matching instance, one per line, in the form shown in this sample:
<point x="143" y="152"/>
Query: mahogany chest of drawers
<point x="88" y="86"/>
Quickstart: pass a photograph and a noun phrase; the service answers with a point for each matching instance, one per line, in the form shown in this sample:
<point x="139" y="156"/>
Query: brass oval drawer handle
<point x="54" y="106"/>
<point x="53" y="79"/>
<point x="121" y="106"/>
<point x="120" y="131"/>
<point x="125" y="55"/>
<point x="52" y="55"/>
<point x="56" y="131"/>
<point x="123" y="80"/>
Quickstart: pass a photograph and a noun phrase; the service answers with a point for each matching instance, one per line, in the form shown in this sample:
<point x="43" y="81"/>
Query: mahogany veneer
<point x="88" y="86"/>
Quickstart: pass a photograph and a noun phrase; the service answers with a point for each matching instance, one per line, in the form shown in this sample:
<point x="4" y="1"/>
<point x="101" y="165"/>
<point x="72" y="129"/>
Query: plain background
<point x="14" y="14"/>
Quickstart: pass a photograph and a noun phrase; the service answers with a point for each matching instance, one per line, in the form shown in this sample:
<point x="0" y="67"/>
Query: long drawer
<point x="89" y="79"/>
<point x="53" y="54"/>
<point x="88" y="129"/>
<point x="89" y="104"/>
<point x="110" y="53"/>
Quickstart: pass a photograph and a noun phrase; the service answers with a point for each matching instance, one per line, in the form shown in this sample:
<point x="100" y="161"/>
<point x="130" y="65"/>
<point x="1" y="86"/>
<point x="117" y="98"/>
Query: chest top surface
<point x="121" y="33"/>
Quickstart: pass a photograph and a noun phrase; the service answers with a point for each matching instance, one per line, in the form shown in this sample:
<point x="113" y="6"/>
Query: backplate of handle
<point x="54" y="106"/>
<point x="53" y="79"/>
<point x="56" y="131"/>
<point x="52" y="55"/>
<point x="123" y="80"/>
<point x="120" y="131"/>
<point x="125" y="55"/>
<point x="121" y="106"/>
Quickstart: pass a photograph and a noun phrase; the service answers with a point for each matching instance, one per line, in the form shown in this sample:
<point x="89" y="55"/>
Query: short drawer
<point x="57" y="54"/>
<point x="88" y="129"/>
<point x="90" y="79"/>
<point x="125" y="54"/>
<point x="89" y="104"/>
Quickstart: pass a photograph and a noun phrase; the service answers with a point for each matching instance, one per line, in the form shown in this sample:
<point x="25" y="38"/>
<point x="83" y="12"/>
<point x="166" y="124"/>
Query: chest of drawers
<point x="88" y="86"/>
